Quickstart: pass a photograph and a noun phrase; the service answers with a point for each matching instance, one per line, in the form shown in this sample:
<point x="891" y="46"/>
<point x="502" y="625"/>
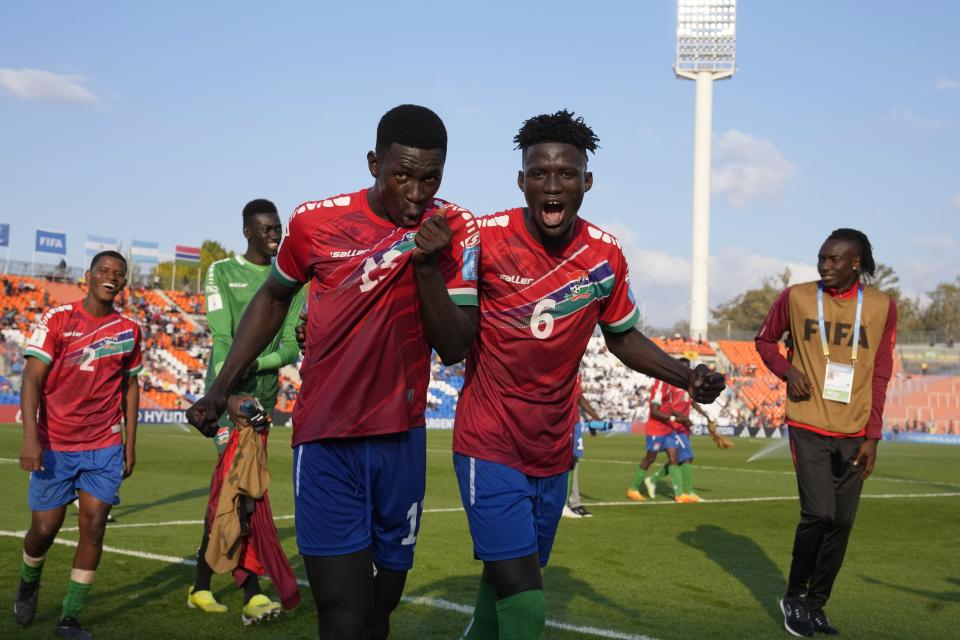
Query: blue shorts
<point x="578" y="440"/>
<point x="355" y="493"/>
<point x="511" y="514"/>
<point x="684" y="450"/>
<point x="98" y="472"/>
<point x="661" y="443"/>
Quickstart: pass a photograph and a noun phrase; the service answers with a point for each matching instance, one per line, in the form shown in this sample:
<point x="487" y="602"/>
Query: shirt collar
<point x="845" y="295"/>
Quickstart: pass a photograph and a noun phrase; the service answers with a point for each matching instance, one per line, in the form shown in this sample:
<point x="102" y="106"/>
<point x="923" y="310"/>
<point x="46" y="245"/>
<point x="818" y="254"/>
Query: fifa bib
<point x="838" y="382"/>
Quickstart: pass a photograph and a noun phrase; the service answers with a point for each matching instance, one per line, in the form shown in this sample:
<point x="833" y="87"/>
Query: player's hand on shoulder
<point x="31" y="455"/>
<point x="434" y="236"/>
<point x="205" y="413"/>
<point x="706" y="385"/>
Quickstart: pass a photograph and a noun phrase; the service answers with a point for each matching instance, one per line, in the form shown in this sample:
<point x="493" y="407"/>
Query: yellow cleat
<point x="635" y="495"/>
<point x="260" y="608"/>
<point x="204" y="601"/>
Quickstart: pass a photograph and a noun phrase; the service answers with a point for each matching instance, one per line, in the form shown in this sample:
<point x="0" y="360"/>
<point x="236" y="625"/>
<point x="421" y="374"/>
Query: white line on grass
<point x="8" y="461"/>
<point x="652" y="503"/>
<point x="437" y="603"/>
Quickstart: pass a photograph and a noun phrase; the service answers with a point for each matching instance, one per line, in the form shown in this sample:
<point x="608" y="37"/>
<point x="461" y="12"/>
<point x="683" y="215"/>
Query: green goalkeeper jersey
<point x="231" y="285"/>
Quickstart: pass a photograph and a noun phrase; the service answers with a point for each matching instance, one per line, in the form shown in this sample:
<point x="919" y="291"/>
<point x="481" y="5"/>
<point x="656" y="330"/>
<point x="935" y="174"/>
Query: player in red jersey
<point x="547" y="279"/>
<point x="392" y="274"/>
<point x="79" y="400"/>
<point x="659" y="431"/>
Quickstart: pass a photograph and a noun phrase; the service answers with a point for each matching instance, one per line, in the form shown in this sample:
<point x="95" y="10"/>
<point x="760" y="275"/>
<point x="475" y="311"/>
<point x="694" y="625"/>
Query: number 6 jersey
<point x="538" y="309"/>
<point x="367" y="361"/>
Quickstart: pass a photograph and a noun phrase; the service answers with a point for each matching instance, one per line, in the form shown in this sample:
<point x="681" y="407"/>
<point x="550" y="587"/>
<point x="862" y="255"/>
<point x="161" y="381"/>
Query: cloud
<point x="955" y="200"/>
<point x="944" y="84"/>
<point x="922" y="123"/>
<point x="749" y="169"/>
<point x="36" y="85"/>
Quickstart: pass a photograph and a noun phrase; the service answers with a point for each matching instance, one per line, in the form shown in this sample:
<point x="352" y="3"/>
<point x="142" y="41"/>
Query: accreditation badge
<point x="838" y="382"/>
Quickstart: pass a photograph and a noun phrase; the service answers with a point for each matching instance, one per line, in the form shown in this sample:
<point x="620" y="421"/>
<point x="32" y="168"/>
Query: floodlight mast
<point x="706" y="44"/>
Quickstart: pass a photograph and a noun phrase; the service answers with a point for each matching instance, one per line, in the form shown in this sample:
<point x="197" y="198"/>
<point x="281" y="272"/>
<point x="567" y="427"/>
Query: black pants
<point x="829" y="488"/>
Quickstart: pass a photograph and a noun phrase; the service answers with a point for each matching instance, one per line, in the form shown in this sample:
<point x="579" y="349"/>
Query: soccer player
<point x="231" y="284"/>
<point x="574" y="507"/>
<point x="392" y="274"/>
<point x="79" y="400"/>
<point x="547" y="279"/>
<point x="680" y="405"/>
<point x="659" y="431"/>
<point x="843" y="334"/>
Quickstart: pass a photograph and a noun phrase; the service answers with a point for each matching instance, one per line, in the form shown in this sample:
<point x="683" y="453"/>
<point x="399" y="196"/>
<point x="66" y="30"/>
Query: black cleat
<point x="70" y="628"/>
<point x="582" y="512"/>
<point x="796" y="617"/>
<point x="820" y="623"/>
<point x="25" y="604"/>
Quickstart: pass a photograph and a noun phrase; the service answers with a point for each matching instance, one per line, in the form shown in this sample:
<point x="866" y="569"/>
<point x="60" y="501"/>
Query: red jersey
<point x="81" y="405"/>
<point x="681" y="403"/>
<point x="367" y="363"/>
<point x="660" y="394"/>
<point x="538" y="309"/>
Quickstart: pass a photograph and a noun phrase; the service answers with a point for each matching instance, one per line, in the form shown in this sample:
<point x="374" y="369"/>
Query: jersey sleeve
<point x="219" y="317"/>
<point x="287" y="348"/>
<point x="619" y="312"/>
<point x="460" y="264"/>
<point x="292" y="266"/>
<point x="134" y="361"/>
<point x="46" y="338"/>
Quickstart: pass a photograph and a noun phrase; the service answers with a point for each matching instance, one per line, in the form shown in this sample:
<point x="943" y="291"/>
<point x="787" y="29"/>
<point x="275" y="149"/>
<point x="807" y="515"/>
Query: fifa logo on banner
<point x="51" y="242"/>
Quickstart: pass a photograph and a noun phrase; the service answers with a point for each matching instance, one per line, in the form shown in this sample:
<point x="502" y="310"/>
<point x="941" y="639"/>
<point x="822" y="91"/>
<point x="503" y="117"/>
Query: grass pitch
<point x="651" y="570"/>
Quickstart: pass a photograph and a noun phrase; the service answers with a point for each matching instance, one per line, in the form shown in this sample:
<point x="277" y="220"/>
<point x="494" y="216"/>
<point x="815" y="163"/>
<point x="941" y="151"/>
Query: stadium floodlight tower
<point x="706" y="41"/>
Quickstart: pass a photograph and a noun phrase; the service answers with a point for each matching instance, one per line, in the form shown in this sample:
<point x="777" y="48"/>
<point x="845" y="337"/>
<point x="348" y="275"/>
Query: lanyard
<point x="856" y="324"/>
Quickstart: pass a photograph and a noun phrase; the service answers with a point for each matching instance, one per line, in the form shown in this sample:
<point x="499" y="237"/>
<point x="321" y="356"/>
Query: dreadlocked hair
<point x="560" y="127"/>
<point x="867" y="264"/>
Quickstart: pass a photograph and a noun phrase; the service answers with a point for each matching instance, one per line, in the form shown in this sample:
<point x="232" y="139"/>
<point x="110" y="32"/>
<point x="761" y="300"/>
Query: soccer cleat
<point x="582" y="510"/>
<point x="70" y="628"/>
<point x="821" y="625"/>
<point x="569" y="513"/>
<point x="796" y="618"/>
<point x="204" y="601"/>
<point x="681" y="498"/>
<point x="651" y="487"/>
<point x="259" y="608"/>
<point x="691" y="497"/>
<point x="25" y="606"/>
<point x="635" y="495"/>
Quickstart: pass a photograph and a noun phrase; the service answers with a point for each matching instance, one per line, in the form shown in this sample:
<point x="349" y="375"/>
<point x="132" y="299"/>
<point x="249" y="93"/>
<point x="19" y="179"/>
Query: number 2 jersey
<point x="367" y="363"/>
<point x="81" y="404"/>
<point x="538" y="309"/>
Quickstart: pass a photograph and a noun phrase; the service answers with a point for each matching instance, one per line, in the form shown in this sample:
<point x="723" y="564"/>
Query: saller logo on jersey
<point x="348" y="254"/>
<point x="514" y="279"/>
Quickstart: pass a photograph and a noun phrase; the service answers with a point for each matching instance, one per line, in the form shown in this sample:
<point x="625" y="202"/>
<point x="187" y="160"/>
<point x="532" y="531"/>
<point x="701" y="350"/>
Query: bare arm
<point x="588" y="408"/>
<point x="448" y="328"/>
<point x="639" y="353"/>
<point x="260" y="323"/>
<point x="131" y="406"/>
<point x="31" y="452"/>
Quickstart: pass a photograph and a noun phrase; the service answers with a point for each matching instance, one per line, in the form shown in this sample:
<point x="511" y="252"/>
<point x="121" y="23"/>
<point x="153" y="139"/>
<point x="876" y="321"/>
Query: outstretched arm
<point x="260" y="323"/>
<point x="640" y="353"/>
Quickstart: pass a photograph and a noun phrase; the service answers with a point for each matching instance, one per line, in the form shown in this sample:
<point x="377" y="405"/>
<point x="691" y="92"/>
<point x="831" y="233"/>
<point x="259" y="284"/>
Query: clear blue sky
<point x="160" y="120"/>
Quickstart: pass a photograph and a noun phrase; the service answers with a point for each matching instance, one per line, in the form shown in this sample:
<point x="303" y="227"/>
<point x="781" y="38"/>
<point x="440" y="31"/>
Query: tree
<point x="210" y="252"/>
<point x="747" y="311"/>
<point x="942" y="315"/>
<point x="908" y="311"/>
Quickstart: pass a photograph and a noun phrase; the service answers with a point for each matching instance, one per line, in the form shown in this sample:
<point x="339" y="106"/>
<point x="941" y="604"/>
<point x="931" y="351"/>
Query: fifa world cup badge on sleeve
<point x="470" y="263"/>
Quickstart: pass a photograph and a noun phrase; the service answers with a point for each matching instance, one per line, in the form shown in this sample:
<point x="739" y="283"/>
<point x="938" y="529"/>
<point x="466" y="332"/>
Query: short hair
<point x="411" y="126"/>
<point x="108" y="254"/>
<point x="867" y="264"/>
<point x="684" y="360"/>
<point x="260" y="205"/>
<point x="561" y="127"/>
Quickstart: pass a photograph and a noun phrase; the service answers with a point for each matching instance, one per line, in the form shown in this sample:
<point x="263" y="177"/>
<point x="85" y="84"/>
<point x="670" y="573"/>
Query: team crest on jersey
<point x="580" y="285"/>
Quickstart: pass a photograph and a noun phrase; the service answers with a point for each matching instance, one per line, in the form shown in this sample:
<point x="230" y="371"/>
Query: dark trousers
<point x="829" y="487"/>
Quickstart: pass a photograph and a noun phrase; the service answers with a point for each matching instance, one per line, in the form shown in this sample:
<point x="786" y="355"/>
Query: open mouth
<point x="552" y="213"/>
<point x="272" y="246"/>
<point x="412" y="218"/>
<point x="109" y="286"/>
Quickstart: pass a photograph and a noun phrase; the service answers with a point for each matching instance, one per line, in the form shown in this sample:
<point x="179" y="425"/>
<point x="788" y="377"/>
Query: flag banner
<point x="4" y="235"/>
<point x="96" y="244"/>
<point x="144" y="252"/>
<point x="187" y="255"/>
<point x="51" y="242"/>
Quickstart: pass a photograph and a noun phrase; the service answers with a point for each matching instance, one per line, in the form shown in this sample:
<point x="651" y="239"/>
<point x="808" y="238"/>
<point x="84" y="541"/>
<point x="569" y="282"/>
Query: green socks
<point x="75" y="599"/>
<point x="29" y="573"/>
<point x="686" y="476"/>
<point x="483" y="625"/>
<point x="522" y="616"/>
<point x="638" y="478"/>
<point x="662" y="471"/>
<point x="677" y="480"/>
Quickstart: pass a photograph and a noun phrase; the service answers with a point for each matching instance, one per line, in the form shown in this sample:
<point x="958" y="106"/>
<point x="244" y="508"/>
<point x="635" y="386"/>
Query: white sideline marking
<point x="437" y="603"/>
<point x="9" y="461"/>
<point x="882" y="496"/>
